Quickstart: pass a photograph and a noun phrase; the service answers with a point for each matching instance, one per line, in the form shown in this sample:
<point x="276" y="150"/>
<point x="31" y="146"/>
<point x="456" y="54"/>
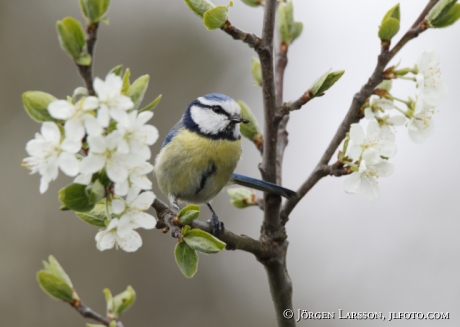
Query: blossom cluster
<point x="102" y="134"/>
<point x="367" y="155"/>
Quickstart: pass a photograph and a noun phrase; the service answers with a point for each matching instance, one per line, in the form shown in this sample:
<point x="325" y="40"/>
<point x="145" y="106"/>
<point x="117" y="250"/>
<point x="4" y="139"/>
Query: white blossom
<point x="128" y="240"/>
<point x="78" y="117"/>
<point x="376" y="105"/>
<point x="48" y="153"/>
<point x="359" y="142"/>
<point x="110" y="101"/>
<point x="132" y="211"/>
<point x="137" y="177"/>
<point x="421" y="125"/>
<point x="371" y="167"/>
<point x="137" y="134"/>
<point x="387" y="124"/>
<point x="429" y="78"/>
<point x="109" y="152"/>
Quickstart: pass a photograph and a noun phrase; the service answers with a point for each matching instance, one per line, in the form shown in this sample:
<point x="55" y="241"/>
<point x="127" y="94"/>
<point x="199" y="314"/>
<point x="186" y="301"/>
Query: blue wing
<point x="172" y="133"/>
<point x="264" y="186"/>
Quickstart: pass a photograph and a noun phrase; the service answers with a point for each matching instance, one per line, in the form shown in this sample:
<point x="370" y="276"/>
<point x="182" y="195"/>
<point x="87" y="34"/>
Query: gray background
<point x="399" y="253"/>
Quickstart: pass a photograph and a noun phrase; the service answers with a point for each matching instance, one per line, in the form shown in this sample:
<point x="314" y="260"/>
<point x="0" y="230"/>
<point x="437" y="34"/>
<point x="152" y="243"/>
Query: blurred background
<point x="399" y="253"/>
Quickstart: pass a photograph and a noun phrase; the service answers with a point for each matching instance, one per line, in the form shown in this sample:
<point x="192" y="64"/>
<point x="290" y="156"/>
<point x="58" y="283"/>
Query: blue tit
<point x="200" y="153"/>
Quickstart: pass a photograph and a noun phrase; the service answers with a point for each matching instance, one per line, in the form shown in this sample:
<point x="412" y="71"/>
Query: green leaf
<point x="285" y="20"/>
<point x="297" y="30"/>
<point x="117" y="70"/>
<point x="199" y="7"/>
<point x="449" y="19"/>
<point x="71" y="36"/>
<point x="126" y="82"/>
<point x="94" y="9"/>
<point x="325" y="82"/>
<point x="393" y="13"/>
<point x="256" y="71"/>
<point x="55" y="286"/>
<point x="253" y="3"/>
<point x="186" y="259"/>
<point x="152" y="105"/>
<point x="242" y="197"/>
<point x="388" y="29"/>
<point x="252" y="129"/>
<point x="84" y="59"/>
<point x="56" y="269"/>
<point x="95" y="192"/>
<point x="137" y="90"/>
<point x="215" y="18"/>
<point x="185" y="230"/>
<point x="188" y="214"/>
<point x="36" y="104"/>
<point x="439" y="11"/>
<point x="123" y="301"/>
<point x="204" y="242"/>
<point x="76" y="198"/>
<point x="97" y="216"/>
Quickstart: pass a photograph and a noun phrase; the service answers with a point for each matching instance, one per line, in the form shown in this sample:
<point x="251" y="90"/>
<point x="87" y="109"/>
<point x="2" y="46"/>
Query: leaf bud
<point x="250" y="130"/>
<point x="254" y="3"/>
<point x="188" y="214"/>
<point x="325" y="82"/>
<point x="71" y="36"/>
<point x="242" y="197"/>
<point x="390" y="24"/>
<point x="36" y="105"/>
<point x="123" y="302"/>
<point x="289" y="29"/>
<point x="256" y="71"/>
<point x="94" y="10"/>
<point x="199" y="7"/>
<point x="55" y="282"/>
<point x="446" y="17"/>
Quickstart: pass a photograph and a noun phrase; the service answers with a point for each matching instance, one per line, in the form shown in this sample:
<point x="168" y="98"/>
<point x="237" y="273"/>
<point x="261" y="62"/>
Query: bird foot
<point x="217" y="227"/>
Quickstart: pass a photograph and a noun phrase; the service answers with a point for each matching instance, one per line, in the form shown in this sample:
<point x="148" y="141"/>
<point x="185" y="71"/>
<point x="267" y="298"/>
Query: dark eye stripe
<point x="216" y="108"/>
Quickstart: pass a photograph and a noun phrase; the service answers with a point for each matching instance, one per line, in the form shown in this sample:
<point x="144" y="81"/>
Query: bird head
<point x="215" y="115"/>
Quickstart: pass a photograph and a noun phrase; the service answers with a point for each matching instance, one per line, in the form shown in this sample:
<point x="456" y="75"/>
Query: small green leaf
<point x="186" y="259"/>
<point x="36" y="104"/>
<point x="215" y="18"/>
<point x="439" y="11"/>
<point x="256" y="71"/>
<point x="97" y="216"/>
<point x="137" y="90"/>
<point x="449" y="19"/>
<point x="126" y="82"/>
<point x="288" y="29"/>
<point x="84" y="59"/>
<point x="385" y="85"/>
<point x="188" y="214"/>
<point x="94" y="9"/>
<point x="252" y="129"/>
<point x="388" y="29"/>
<point x="152" y="105"/>
<point x="71" y="36"/>
<point x="254" y="3"/>
<point x="76" y="198"/>
<point x="297" y="30"/>
<point x="117" y="70"/>
<point x="56" y="269"/>
<point x="242" y="197"/>
<point x="325" y="82"/>
<point x="123" y="302"/>
<point x="204" y="242"/>
<point x="55" y="286"/>
<point x="95" y="192"/>
<point x="185" y="230"/>
<point x="394" y="12"/>
<point x="199" y="7"/>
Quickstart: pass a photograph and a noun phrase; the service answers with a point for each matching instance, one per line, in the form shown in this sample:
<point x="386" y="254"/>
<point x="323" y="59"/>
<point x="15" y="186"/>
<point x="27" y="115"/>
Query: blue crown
<point x="217" y="97"/>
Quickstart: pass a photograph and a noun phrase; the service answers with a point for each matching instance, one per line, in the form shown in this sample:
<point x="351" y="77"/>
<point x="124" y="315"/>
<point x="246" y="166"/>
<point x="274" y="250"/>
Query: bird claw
<point x="217" y="227"/>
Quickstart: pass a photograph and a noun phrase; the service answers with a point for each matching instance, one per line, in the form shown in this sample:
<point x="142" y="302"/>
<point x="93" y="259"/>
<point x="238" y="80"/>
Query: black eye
<point x="217" y="109"/>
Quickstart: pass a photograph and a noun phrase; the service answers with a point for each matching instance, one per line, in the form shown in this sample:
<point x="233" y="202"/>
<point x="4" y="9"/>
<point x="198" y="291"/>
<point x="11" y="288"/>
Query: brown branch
<point x="234" y="242"/>
<point x="89" y="313"/>
<point x="86" y="71"/>
<point x="354" y="113"/>
<point x="250" y="39"/>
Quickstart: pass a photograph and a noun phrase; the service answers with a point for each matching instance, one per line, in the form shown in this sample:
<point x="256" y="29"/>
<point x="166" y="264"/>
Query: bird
<point x="200" y="153"/>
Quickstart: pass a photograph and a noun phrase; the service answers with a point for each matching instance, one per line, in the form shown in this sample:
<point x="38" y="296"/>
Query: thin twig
<point x="89" y="313"/>
<point x="234" y="242"/>
<point x="86" y="71"/>
<point x="251" y="39"/>
<point x="354" y="113"/>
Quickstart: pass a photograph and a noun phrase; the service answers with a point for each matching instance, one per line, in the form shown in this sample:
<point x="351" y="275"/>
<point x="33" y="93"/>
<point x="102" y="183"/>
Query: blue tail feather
<point x="264" y="186"/>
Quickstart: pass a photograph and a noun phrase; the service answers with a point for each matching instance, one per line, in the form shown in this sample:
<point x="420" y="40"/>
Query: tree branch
<point x="234" y="242"/>
<point x="89" y="313"/>
<point x="86" y="71"/>
<point x="354" y="114"/>
<point x="250" y="39"/>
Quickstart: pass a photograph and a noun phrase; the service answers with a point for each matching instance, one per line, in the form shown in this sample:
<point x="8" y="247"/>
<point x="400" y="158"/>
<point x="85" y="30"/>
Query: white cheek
<point x="208" y="122"/>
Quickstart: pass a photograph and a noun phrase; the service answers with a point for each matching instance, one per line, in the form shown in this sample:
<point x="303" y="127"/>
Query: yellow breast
<point x="195" y="168"/>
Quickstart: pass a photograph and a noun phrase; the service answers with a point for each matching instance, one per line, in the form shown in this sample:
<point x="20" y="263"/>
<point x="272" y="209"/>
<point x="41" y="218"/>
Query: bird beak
<point x="235" y="118"/>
